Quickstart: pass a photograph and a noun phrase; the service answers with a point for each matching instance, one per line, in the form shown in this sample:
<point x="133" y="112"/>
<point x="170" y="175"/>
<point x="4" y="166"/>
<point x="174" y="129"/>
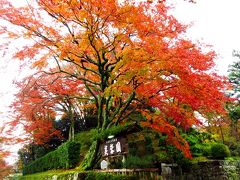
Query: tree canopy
<point x="234" y="78"/>
<point x="128" y="56"/>
<point x="5" y="168"/>
<point x="234" y="107"/>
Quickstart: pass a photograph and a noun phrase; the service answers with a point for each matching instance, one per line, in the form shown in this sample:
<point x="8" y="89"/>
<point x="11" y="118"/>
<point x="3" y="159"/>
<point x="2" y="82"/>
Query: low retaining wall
<point x="211" y="170"/>
<point x="217" y="169"/>
<point x="139" y="174"/>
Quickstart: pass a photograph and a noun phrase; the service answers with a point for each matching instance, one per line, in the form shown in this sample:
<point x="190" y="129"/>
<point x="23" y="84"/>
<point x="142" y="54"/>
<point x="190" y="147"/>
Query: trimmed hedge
<point x="64" y="157"/>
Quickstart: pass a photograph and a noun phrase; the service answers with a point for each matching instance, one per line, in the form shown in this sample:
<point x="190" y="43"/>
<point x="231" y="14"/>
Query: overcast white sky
<point x="216" y="22"/>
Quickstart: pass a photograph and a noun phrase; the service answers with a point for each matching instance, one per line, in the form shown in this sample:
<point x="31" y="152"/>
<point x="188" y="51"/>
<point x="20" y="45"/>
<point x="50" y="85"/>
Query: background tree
<point x="218" y="126"/>
<point x="5" y="169"/>
<point x="234" y="107"/>
<point x="126" y="55"/>
<point x="234" y="78"/>
<point x="42" y="98"/>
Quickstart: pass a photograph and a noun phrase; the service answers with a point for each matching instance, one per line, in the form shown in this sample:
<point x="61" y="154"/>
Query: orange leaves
<point x="121" y="56"/>
<point x="39" y="101"/>
<point x="5" y="169"/>
<point x="42" y="131"/>
<point x="159" y="123"/>
<point x="173" y="136"/>
<point x="27" y="52"/>
<point x="42" y="62"/>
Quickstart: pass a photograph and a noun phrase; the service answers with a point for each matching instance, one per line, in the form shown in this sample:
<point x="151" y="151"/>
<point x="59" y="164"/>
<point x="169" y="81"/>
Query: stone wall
<point x="211" y="170"/>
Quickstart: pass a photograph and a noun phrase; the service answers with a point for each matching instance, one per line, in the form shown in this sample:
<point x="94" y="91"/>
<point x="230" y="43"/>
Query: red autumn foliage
<point x="128" y="56"/>
<point x="39" y="100"/>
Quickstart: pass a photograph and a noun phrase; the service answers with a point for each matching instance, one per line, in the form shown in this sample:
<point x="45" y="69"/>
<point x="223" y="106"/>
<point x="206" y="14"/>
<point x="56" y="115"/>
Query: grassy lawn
<point x="60" y="173"/>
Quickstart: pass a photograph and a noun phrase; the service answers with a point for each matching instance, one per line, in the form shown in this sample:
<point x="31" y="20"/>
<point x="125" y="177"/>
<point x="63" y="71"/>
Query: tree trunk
<point x="71" y="128"/>
<point x="222" y="134"/>
<point x="71" y="133"/>
<point x="234" y="130"/>
<point x="93" y="155"/>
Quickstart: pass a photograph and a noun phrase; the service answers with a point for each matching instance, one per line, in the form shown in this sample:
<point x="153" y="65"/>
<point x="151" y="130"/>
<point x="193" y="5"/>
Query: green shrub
<point x="115" y="130"/>
<point x="220" y="151"/>
<point x="64" y="157"/>
<point x="139" y="162"/>
<point x="85" y="138"/>
<point x="206" y="150"/>
<point x="133" y="148"/>
<point x="182" y="161"/>
<point x="163" y="157"/>
<point x="198" y="141"/>
<point x="149" y="145"/>
<point x="235" y="151"/>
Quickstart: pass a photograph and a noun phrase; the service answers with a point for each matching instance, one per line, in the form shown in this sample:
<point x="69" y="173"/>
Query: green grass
<point x="43" y="175"/>
<point x="85" y="138"/>
<point x="69" y="174"/>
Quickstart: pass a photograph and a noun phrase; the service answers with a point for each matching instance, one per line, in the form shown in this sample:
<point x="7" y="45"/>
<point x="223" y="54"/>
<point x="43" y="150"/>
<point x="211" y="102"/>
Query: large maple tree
<point x="129" y="55"/>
